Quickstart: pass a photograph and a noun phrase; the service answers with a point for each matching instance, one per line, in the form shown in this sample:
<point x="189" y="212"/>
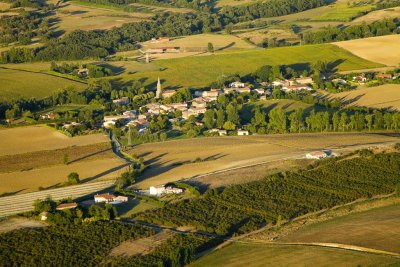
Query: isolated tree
<point x="210" y="48"/>
<point x="66" y="160"/>
<point x="73" y="178"/>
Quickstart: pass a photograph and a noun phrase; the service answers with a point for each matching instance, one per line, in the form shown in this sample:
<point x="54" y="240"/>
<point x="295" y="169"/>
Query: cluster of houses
<point x="198" y="105"/>
<point x="362" y="78"/>
<point x="294" y="85"/>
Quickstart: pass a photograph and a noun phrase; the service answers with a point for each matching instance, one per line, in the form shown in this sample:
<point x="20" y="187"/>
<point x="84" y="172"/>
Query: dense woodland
<point x="245" y="207"/>
<point x="334" y="34"/>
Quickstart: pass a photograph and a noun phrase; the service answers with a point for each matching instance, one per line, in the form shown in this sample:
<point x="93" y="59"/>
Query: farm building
<point x="317" y="155"/>
<point x="259" y="91"/>
<point x="242" y="132"/>
<point x="49" y="116"/>
<point x="304" y="80"/>
<point x="109" y="198"/>
<point x="67" y="206"/>
<point x="296" y="88"/>
<point x="237" y="85"/>
<point x="121" y="101"/>
<point x="161" y="190"/>
<point x="384" y="76"/>
<point x="168" y="93"/>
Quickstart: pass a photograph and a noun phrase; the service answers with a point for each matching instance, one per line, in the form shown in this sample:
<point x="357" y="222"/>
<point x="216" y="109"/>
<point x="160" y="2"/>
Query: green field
<point x="342" y="12"/>
<point x="16" y="83"/>
<point x="247" y="255"/>
<point x="200" y="71"/>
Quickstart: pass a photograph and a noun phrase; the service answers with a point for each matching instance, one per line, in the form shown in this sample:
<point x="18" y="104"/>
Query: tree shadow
<point x="89" y="179"/>
<point x="88" y="156"/>
<point x="226" y="47"/>
<point x="8" y="194"/>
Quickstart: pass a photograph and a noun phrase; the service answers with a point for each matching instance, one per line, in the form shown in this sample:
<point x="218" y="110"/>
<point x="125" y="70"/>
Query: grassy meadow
<point x="202" y="70"/>
<point x="17" y="84"/>
<point x="343" y="12"/>
<point x="378" y="15"/>
<point x="171" y="160"/>
<point x="383" y="96"/>
<point x="383" y="49"/>
<point x="76" y="15"/>
<point x="200" y="41"/>
<point x="239" y="254"/>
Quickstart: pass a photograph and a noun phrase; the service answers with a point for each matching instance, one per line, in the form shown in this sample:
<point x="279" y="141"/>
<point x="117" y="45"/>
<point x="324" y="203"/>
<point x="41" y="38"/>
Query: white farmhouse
<point x="317" y="155"/>
<point x="161" y="190"/>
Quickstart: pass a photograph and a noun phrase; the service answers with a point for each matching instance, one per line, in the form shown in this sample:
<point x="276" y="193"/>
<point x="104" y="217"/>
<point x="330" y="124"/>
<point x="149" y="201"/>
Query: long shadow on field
<point x="7" y="194"/>
<point x="88" y="156"/>
<point x="227" y="46"/>
<point x="105" y="173"/>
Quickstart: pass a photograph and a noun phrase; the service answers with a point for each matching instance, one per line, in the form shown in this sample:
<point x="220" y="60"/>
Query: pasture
<point x="199" y="42"/>
<point x="25" y="84"/>
<point x="258" y="36"/>
<point x="37" y="138"/>
<point x="77" y="15"/>
<point x="376" y="229"/>
<point x="384" y="96"/>
<point x="242" y="254"/>
<point x="383" y="49"/>
<point x="342" y="12"/>
<point x="376" y="15"/>
<point x="200" y="71"/>
<point x="171" y="160"/>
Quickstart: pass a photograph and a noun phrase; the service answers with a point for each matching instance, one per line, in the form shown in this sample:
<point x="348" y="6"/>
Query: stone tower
<point x="159" y="89"/>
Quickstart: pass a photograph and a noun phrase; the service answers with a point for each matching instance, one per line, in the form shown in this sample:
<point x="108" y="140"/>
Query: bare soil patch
<point x="141" y="246"/>
<point x="15" y="223"/>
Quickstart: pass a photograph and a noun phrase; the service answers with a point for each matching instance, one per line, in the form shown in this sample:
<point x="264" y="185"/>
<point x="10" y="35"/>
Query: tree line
<point x="334" y="34"/>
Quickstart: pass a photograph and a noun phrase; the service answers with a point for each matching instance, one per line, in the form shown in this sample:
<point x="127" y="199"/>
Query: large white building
<point x="317" y="155"/>
<point x="162" y="190"/>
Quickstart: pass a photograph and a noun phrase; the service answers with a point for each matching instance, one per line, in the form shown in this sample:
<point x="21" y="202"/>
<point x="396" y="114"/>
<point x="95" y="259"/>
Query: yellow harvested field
<point x="389" y="13"/>
<point x="89" y="171"/>
<point x="263" y="255"/>
<point x="170" y="161"/>
<point x="376" y="229"/>
<point x="37" y="138"/>
<point x="384" y="96"/>
<point x="382" y="49"/>
<point x="200" y="42"/>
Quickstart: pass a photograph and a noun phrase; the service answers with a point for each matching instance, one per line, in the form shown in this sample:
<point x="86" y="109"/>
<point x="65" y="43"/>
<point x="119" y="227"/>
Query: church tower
<point x="159" y="89"/>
